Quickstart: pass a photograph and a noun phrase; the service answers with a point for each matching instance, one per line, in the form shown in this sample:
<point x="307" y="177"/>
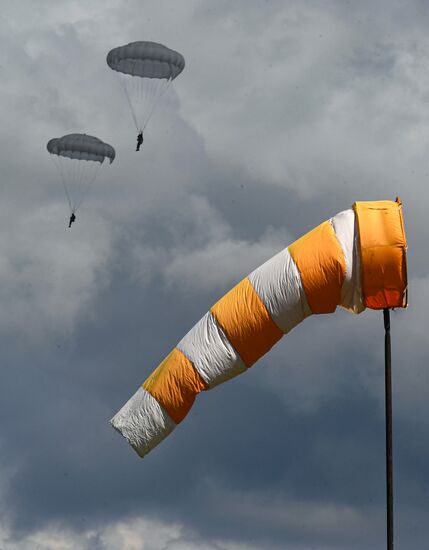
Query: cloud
<point x="134" y="534"/>
<point x="202" y="260"/>
<point x="284" y="115"/>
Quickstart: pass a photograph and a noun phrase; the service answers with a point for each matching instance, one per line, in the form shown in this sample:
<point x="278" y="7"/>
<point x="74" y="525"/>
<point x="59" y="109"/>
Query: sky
<point x="286" y="113"/>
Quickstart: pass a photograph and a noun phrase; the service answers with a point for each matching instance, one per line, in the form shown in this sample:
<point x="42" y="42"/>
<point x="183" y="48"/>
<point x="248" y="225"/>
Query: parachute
<point x="146" y="69"/>
<point x="78" y="158"/>
<point x="357" y="259"/>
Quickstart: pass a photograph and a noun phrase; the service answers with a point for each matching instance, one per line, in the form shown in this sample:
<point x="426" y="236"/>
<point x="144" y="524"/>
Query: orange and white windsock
<point x="357" y="259"/>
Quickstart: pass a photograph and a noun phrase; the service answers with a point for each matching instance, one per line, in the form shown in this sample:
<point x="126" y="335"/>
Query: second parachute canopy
<point x="78" y="158"/>
<point x="146" y="69"/>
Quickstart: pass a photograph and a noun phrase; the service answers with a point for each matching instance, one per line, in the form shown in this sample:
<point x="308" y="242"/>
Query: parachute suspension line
<point x="147" y="97"/>
<point x="78" y="157"/>
<point x="87" y="181"/>
<point x="389" y="430"/>
<point x="150" y="97"/>
<point x="127" y="95"/>
<point x="59" y="166"/>
<point x="76" y="175"/>
<point x="83" y="179"/>
<point x="160" y="92"/>
<point x="73" y="181"/>
<point x="79" y="182"/>
<point x="143" y="95"/>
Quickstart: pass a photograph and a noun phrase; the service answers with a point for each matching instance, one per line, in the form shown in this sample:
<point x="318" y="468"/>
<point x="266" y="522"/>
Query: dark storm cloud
<point x="81" y="458"/>
<point x="241" y="159"/>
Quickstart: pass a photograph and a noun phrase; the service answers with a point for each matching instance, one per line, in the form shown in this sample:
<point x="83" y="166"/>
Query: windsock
<point x="357" y="259"/>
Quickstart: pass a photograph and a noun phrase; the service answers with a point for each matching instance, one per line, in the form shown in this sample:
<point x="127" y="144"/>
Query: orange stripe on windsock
<point x="383" y="253"/>
<point x="246" y="322"/>
<point x="321" y="263"/>
<point x="175" y="384"/>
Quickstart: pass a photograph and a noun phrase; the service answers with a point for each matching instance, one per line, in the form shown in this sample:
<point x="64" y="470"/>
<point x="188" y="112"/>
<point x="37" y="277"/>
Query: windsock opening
<point x="383" y="253"/>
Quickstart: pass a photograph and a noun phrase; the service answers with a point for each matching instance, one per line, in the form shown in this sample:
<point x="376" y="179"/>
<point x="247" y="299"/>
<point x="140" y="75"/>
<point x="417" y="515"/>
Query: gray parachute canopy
<point x="81" y="147"/>
<point x="147" y="60"/>
<point x="70" y="154"/>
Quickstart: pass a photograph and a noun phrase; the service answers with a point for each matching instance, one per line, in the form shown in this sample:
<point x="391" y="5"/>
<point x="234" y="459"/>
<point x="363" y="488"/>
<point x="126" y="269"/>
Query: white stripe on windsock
<point x="344" y="225"/>
<point x="143" y="422"/>
<point x="278" y="283"/>
<point x="210" y="352"/>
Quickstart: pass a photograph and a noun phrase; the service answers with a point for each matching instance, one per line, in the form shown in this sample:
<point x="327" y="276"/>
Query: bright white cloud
<point x="134" y="534"/>
<point x="330" y="520"/>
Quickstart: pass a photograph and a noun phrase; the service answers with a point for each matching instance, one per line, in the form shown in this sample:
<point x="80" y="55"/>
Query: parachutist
<point x="76" y="178"/>
<point x="150" y="67"/>
<point x="139" y="141"/>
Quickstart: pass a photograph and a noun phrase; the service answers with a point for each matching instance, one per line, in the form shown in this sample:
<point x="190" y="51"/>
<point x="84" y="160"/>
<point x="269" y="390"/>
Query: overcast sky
<point x="285" y="114"/>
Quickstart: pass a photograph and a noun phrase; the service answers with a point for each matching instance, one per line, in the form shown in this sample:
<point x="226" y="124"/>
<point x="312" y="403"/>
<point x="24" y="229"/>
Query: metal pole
<point x="388" y="400"/>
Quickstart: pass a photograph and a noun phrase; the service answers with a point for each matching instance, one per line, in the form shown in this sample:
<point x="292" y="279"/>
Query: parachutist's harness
<point x="139" y="141"/>
<point x="72" y="219"/>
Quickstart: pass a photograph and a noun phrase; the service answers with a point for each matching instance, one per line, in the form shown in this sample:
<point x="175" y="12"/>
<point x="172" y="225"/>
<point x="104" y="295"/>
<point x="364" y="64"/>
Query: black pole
<point x="388" y="398"/>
